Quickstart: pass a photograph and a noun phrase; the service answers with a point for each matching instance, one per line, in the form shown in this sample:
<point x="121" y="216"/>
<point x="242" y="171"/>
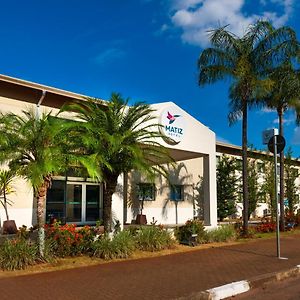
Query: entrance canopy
<point x="187" y="138"/>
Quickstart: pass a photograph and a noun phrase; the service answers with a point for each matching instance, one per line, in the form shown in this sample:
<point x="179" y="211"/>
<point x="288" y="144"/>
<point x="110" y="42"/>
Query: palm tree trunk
<point x="41" y="199"/>
<point x="109" y="189"/>
<point x="244" y="169"/>
<point x="281" y="173"/>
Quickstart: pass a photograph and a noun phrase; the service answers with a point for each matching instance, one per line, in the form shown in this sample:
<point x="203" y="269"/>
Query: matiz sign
<point x="173" y="122"/>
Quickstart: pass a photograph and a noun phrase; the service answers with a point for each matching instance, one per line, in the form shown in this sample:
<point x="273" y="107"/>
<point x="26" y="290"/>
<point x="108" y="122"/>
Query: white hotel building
<point x="79" y="200"/>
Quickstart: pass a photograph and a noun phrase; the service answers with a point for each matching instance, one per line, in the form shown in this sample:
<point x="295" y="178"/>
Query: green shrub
<point x="223" y="233"/>
<point x="49" y="251"/>
<point x="191" y="227"/>
<point x="153" y="238"/>
<point x="121" y="246"/>
<point x="17" y="254"/>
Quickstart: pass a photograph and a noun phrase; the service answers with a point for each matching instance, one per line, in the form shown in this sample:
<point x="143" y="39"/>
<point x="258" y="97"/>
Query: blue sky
<point x="145" y="49"/>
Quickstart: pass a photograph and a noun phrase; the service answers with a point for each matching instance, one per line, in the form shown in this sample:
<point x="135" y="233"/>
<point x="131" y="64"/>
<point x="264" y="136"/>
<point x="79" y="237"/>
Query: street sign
<point x="280" y="142"/>
<point x="267" y="134"/>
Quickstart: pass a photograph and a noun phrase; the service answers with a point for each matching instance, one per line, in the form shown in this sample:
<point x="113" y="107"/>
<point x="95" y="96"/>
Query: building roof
<point x="231" y="149"/>
<point x="32" y="92"/>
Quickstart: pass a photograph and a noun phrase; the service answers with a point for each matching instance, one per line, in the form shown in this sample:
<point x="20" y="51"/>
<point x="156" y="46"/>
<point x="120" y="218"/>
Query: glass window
<point x="146" y="192"/>
<point x="74" y="203"/>
<point x="176" y="193"/>
<point x="92" y="202"/>
<point x="55" y="201"/>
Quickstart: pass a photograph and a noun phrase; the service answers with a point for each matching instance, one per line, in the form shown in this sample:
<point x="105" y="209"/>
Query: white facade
<point x="193" y="147"/>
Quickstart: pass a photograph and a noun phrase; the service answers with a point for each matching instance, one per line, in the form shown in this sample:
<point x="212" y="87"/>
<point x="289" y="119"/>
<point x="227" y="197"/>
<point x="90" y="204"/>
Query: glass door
<point x="74" y="203"/>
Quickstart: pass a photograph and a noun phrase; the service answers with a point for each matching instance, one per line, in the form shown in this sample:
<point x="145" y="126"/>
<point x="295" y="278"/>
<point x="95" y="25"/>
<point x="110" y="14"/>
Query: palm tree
<point x="117" y="138"/>
<point x="6" y="178"/>
<point x="33" y="149"/>
<point x="247" y="61"/>
<point x="284" y="95"/>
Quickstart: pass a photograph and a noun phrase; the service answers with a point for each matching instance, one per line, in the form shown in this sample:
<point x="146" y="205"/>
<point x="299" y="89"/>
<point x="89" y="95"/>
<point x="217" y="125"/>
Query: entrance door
<point x="82" y="202"/>
<point x="74" y="202"/>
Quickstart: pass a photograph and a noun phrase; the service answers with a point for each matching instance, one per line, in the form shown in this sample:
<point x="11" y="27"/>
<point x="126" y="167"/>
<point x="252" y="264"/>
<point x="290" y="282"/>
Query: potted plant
<point x="6" y="178"/>
<point x="140" y="218"/>
<point x="146" y="191"/>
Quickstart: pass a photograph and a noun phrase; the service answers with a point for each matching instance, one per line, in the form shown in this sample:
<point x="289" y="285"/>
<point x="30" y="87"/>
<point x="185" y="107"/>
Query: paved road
<point x="166" y="277"/>
<point x="288" y="290"/>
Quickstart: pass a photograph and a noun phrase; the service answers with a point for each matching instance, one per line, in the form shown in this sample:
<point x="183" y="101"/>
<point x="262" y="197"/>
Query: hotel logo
<point x="173" y="125"/>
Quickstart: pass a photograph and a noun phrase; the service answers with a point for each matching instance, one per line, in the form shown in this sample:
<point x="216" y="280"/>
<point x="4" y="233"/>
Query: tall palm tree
<point x="33" y="148"/>
<point x="247" y="61"/>
<point x="117" y="138"/>
<point x="284" y="95"/>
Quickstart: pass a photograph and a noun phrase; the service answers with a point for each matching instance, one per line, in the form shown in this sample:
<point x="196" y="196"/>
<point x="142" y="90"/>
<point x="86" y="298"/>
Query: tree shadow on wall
<point x="178" y="175"/>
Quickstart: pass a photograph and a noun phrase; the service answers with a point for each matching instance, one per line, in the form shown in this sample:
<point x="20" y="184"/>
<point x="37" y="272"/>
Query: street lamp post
<point x="276" y="144"/>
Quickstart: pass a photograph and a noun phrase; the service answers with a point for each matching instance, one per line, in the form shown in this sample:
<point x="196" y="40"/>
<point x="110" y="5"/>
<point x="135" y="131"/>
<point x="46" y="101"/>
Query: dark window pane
<point x="55" y="201"/>
<point x="176" y="193"/>
<point x="92" y="202"/>
<point x="146" y="192"/>
<point x="73" y="203"/>
<point x="56" y="193"/>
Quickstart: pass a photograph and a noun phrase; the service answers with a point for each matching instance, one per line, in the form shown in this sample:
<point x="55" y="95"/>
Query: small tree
<point x="6" y="178"/>
<point x="268" y="186"/>
<point x="226" y="186"/>
<point x="290" y="176"/>
<point x="253" y="186"/>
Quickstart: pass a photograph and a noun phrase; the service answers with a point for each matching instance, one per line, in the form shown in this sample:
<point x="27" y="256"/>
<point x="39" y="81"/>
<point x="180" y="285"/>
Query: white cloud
<point x="289" y="120"/>
<point x="267" y="110"/>
<point x="196" y="17"/>
<point x="109" y="55"/>
<point x="222" y="140"/>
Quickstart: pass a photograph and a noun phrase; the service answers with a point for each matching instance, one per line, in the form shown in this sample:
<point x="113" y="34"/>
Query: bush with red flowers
<point x="265" y="227"/>
<point x="68" y="240"/>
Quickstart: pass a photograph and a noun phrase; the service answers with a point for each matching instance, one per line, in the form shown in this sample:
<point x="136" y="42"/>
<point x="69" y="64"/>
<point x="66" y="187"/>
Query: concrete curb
<point x="238" y="287"/>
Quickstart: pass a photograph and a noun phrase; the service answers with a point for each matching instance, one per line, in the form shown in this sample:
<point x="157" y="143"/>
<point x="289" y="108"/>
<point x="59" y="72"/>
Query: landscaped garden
<point x="69" y="241"/>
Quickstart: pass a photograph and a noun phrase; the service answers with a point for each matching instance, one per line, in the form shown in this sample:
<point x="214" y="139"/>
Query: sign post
<point x="276" y="144"/>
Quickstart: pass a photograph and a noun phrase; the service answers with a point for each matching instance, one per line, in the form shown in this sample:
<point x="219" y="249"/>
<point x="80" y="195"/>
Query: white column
<point x="210" y="190"/>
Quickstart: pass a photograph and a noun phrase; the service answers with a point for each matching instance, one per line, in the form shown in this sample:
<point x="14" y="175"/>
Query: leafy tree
<point x="253" y="186"/>
<point x="285" y="94"/>
<point x="268" y="185"/>
<point x="291" y="174"/>
<point x="33" y="148"/>
<point x="248" y="61"/>
<point x="116" y="139"/>
<point x="6" y="178"/>
<point x="226" y="186"/>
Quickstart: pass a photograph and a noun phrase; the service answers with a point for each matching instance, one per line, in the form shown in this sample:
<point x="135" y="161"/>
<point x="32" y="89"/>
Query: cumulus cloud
<point x="196" y="17"/>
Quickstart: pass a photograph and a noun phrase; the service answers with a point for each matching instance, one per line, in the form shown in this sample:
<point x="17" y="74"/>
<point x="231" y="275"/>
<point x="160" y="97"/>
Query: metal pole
<point x="276" y="197"/>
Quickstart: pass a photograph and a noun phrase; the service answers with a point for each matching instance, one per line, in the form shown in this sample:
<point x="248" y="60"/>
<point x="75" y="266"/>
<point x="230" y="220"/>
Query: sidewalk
<point x="166" y="277"/>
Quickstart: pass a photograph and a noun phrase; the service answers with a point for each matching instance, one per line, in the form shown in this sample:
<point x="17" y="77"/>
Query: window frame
<point x="141" y="188"/>
<point x="174" y="192"/>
